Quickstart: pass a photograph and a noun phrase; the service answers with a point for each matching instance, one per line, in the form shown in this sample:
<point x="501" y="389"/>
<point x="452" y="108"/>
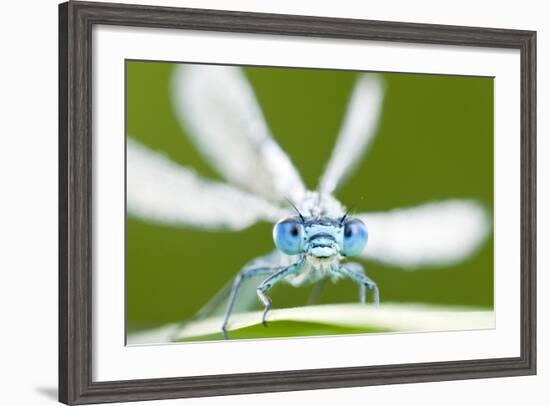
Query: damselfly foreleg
<point x="356" y="272"/>
<point x="272" y="280"/>
<point x="244" y="274"/>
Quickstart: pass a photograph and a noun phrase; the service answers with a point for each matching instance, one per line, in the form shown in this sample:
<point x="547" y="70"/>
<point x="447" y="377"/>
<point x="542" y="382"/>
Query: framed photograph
<point x="259" y="202"/>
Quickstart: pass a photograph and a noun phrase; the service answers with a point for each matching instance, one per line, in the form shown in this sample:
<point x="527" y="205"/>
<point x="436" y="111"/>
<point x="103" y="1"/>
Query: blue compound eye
<point x="288" y="236"/>
<point x="355" y="237"/>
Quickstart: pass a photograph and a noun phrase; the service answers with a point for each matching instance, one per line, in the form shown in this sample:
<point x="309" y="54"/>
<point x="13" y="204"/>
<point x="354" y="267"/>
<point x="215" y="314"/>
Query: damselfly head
<point x="320" y="237"/>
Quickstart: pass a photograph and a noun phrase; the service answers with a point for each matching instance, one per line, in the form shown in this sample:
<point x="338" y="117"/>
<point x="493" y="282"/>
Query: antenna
<point x="297" y="211"/>
<point x="348" y="211"/>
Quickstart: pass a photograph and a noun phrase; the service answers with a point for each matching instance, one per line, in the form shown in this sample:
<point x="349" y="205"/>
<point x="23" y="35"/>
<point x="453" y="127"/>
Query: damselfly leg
<point x="272" y="280"/>
<point x="246" y="273"/>
<point x="356" y="272"/>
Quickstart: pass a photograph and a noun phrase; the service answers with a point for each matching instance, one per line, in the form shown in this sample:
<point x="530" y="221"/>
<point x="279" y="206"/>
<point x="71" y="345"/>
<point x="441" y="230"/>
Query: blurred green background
<point x="435" y="141"/>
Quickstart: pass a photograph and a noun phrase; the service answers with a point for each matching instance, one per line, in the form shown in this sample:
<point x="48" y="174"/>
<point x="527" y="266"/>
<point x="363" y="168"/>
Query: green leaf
<point x="332" y="319"/>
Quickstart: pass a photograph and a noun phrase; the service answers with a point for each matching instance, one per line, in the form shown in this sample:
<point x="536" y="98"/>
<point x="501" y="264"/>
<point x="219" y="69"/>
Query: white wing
<point x="433" y="234"/>
<point x="218" y="108"/>
<point x="162" y="191"/>
<point x="357" y="131"/>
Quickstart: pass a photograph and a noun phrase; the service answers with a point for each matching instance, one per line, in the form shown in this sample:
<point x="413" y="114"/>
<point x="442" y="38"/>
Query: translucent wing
<point x="247" y="298"/>
<point x="218" y="108"/>
<point x="357" y="131"/>
<point x="432" y="234"/>
<point x="215" y="308"/>
<point x="162" y="191"/>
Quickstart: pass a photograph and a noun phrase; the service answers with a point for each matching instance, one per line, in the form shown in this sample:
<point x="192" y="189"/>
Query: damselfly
<point x="314" y="234"/>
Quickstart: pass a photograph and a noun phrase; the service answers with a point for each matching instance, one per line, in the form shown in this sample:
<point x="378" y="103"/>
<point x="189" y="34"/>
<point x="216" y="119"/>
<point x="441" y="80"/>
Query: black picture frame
<point x="76" y="20"/>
